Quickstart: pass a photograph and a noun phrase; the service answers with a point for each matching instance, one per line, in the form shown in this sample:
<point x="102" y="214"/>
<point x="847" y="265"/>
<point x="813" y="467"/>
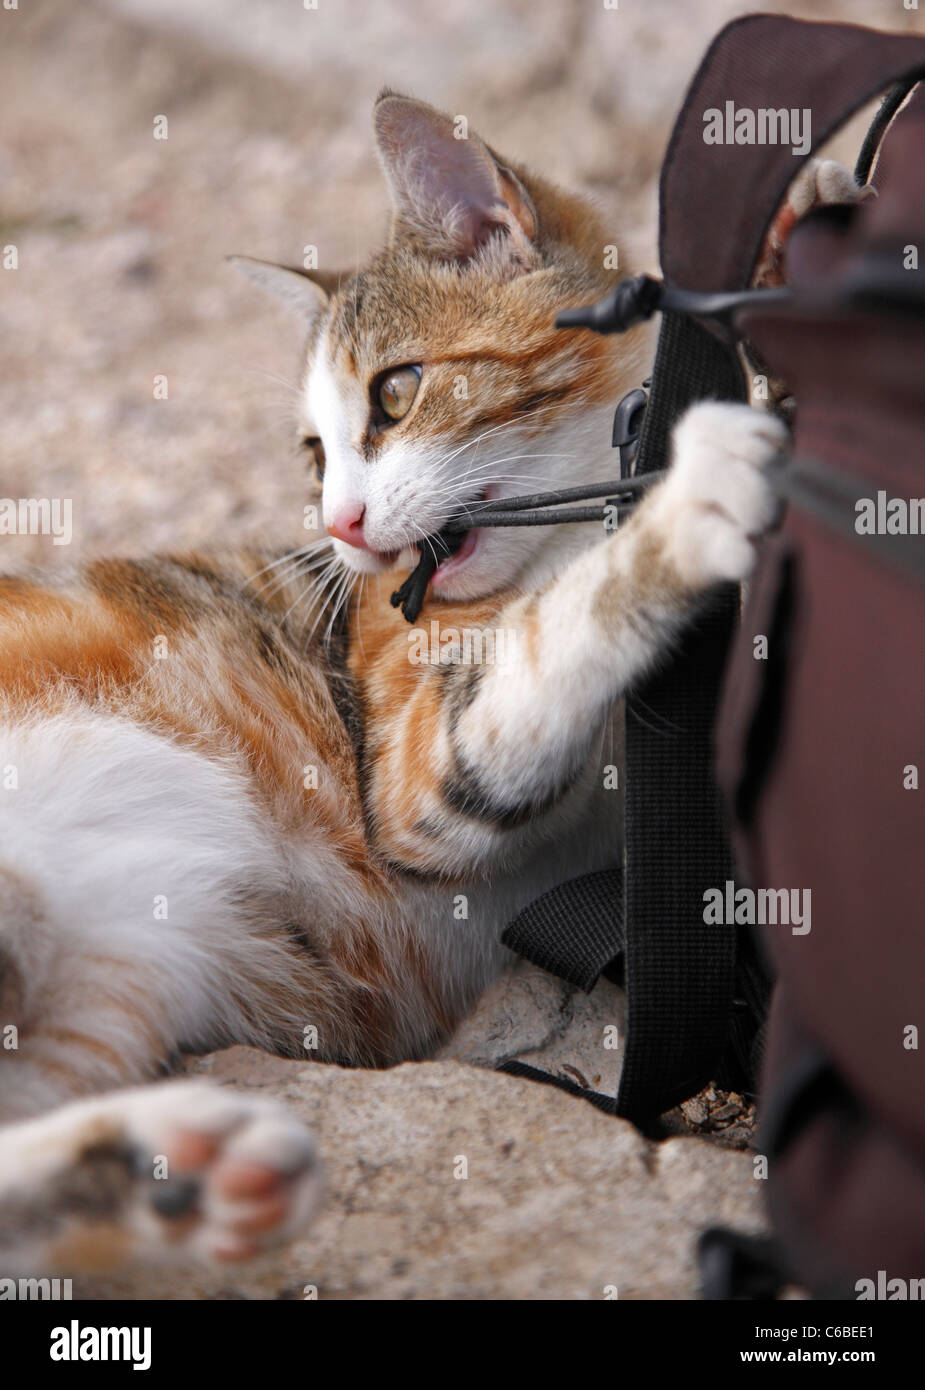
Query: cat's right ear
<point x="305" y="291"/>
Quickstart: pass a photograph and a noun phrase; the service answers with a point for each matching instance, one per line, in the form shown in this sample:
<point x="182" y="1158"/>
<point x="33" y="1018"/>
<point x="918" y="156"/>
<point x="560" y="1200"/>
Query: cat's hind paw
<point x="179" y="1171"/>
<point x="222" y="1176"/>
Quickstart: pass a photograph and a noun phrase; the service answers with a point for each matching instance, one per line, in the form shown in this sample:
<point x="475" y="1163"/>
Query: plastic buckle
<point x="627" y="426"/>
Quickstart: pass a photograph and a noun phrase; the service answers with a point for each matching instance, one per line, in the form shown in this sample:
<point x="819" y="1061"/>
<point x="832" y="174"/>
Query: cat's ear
<point x="305" y="291"/>
<point x="450" y="194"/>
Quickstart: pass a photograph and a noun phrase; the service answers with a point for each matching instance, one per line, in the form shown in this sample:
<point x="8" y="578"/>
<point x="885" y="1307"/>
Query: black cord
<point x="538" y="509"/>
<point x="639" y="297"/>
<point x="891" y="103"/>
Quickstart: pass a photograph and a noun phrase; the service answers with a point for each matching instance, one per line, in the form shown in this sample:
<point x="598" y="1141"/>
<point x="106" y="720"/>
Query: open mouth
<point x="462" y="545"/>
<point x="457" y="547"/>
<point x="461" y="549"/>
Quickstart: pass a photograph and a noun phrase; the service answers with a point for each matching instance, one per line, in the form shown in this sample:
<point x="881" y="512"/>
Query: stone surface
<point x="560" y="1201"/>
<point x="533" y="1017"/>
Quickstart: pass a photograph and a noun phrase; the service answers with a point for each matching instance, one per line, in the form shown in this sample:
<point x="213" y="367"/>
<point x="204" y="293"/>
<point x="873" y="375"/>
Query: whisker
<point x="299" y="552"/>
<point x="331" y="581"/>
<point x="317" y="585"/>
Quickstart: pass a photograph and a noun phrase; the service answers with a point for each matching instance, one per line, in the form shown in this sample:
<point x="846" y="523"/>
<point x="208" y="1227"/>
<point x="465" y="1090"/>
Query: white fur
<point x="717" y="500"/>
<point x="109" y="817"/>
<point x="345" y="487"/>
<point x="819" y="183"/>
<point x="410" y="490"/>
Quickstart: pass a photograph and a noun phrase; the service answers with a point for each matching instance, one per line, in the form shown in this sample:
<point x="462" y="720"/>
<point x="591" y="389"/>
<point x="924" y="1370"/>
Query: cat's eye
<point x="315" y="450"/>
<point x="397" y="390"/>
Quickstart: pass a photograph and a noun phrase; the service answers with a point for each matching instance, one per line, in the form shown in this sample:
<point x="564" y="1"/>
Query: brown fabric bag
<point x="821" y="743"/>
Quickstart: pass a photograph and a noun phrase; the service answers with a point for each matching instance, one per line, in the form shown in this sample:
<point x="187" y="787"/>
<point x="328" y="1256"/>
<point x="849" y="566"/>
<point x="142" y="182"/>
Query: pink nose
<point x="347" y="525"/>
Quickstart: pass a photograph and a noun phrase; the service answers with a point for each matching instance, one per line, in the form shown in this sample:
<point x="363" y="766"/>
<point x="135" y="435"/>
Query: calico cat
<point x="237" y="811"/>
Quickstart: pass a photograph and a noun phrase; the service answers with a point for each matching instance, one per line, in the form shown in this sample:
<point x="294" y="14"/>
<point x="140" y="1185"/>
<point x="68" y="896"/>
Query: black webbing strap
<point x="575" y="930"/>
<point x="680" y="971"/>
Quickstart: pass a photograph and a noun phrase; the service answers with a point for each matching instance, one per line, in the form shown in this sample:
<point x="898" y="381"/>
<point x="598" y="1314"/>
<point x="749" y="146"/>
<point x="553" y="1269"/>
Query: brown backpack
<point x="820" y="731"/>
<point x="823" y="743"/>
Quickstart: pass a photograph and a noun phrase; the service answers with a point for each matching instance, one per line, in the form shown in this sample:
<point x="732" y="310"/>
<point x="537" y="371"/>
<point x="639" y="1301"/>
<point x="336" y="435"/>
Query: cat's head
<point x="435" y="376"/>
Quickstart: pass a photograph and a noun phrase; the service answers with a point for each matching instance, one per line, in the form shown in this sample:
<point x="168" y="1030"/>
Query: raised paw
<point x="718" y="497"/>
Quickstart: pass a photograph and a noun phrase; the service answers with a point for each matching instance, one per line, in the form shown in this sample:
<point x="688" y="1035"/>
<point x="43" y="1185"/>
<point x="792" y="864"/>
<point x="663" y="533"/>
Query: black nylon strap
<point x="573" y="931"/>
<point x="680" y="972"/>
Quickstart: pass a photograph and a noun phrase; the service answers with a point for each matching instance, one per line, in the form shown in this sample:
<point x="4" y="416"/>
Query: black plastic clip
<point x="627" y="426"/>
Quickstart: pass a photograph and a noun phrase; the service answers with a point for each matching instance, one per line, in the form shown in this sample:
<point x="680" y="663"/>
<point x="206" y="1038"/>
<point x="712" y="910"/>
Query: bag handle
<point x="771" y="63"/>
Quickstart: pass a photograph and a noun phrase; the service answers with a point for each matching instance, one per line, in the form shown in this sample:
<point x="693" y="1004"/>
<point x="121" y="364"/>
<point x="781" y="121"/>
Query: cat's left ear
<point x="450" y="193"/>
<point x="305" y="291"/>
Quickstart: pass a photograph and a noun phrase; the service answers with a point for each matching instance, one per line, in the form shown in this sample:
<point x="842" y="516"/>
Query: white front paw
<point x="718" y="497"/>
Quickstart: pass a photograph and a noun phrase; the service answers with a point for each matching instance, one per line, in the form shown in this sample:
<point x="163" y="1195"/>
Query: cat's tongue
<point x="463" y="545"/>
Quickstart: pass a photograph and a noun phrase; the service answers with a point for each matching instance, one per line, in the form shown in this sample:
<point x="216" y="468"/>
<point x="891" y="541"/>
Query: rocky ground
<point x="120" y="241"/>
<point x="559" y="1200"/>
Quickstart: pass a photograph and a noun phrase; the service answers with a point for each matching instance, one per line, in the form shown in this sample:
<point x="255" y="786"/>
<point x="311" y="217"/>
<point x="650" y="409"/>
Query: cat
<point x="236" y="811"/>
